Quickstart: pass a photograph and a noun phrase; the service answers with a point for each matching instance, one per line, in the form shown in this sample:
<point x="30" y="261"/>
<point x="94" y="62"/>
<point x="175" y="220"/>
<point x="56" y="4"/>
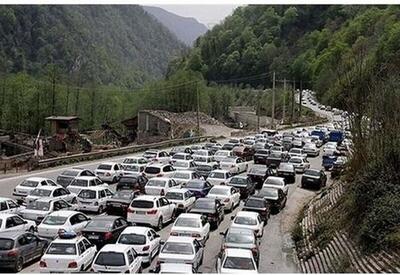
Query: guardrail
<point x="118" y="151"/>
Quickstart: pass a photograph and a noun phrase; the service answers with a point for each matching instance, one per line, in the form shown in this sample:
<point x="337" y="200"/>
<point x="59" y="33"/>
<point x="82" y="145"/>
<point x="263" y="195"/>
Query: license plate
<point x="116" y="204"/>
<point x="310" y="180"/>
<point x="185" y="234"/>
<point x="140" y="212"/>
<point x="93" y="237"/>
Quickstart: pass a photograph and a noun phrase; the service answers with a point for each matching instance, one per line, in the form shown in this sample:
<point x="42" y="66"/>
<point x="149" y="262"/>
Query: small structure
<point x="61" y="125"/>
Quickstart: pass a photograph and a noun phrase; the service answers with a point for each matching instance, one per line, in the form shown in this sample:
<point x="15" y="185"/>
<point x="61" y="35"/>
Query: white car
<point x="221" y="154"/>
<point x="69" y="254"/>
<point x="144" y="240"/>
<point x="202" y="153"/>
<point x="297" y="152"/>
<point x="183" y="199"/>
<point x="151" y="210"/>
<point x="205" y="160"/>
<point x="191" y="225"/>
<point x="26" y="186"/>
<point x="158" y="170"/>
<point x="62" y="221"/>
<point x="297" y="142"/>
<point x="117" y="258"/>
<point x="300" y="164"/>
<point x="171" y="268"/>
<point x="217" y="177"/>
<point x="109" y="171"/>
<point x="161" y="157"/>
<point x="186" y="250"/>
<point x="50" y="192"/>
<point x="133" y="169"/>
<point x="134" y="160"/>
<point x="40" y="208"/>
<point x="84" y="182"/>
<point x="182" y="177"/>
<point x="160" y="186"/>
<point x="311" y="150"/>
<point x="236" y="260"/>
<point x="9" y="206"/>
<point x="228" y="195"/>
<point x="94" y="199"/>
<point x="250" y="220"/>
<point x="13" y="222"/>
<point x="329" y="149"/>
<point x="234" y="165"/>
<point x="181" y="156"/>
<point x="276" y="182"/>
<point x="67" y="176"/>
<point x="184" y="165"/>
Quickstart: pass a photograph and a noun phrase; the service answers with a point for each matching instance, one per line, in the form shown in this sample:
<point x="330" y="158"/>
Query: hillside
<point x="186" y="29"/>
<point x="120" y="45"/>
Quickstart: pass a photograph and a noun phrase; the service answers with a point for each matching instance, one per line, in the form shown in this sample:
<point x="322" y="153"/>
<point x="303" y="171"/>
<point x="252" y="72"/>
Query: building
<point x="62" y="125"/>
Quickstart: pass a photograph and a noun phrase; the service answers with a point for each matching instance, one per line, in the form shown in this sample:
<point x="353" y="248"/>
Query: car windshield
<point x="238" y="181"/>
<point x="255" y="203"/>
<point x="110" y="258"/>
<point x="40" y="193"/>
<point x="6" y="244"/>
<point x="130" y="160"/>
<point x="79" y="182"/>
<point x="217" y="175"/>
<point x="285" y="166"/>
<point x="201" y="159"/>
<point x="220" y="191"/>
<point x="245" y="220"/>
<point x="276" y="182"/>
<point x="276" y="148"/>
<point x="295" y="160"/>
<point x="132" y="239"/>
<point x="239" y="263"/>
<point x="106" y="224"/>
<point x="54" y="220"/>
<point x="177" y="248"/>
<point x="275" y="155"/>
<point x="268" y="192"/>
<point x="29" y="183"/>
<point x="228" y="160"/>
<point x="131" y="168"/>
<point x="174" y="196"/>
<point x="142" y="204"/>
<point x="178" y="156"/>
<point x="128" y="180"/>
<point x="222" y="153"/>
<point x="187" y="222"/>
<point x="150" y="154"/>
<point x="152" y="170"/>
<point x="202" y="153"/>
<point x="314" y="173"/>
<point x="87" y="194"/>
<point x="181" y="164"/>
<point x="204" y="204"/>
<point x="295" y="151"/>
<point x="62" y="249"/>
<point x="239" y="237"/>
<point x="123" y="195"/>
<point x="156" y="183"/>
<point x="104" y="167"/>
<point x="71" y="173"/>
<point x="195" y="185"/>
<point x="258" y="170"/>
<point x="38" y="205"/>
<point x="180" y="175"/>
<point x="204" y="168"/>
<point x="262" y="152"/>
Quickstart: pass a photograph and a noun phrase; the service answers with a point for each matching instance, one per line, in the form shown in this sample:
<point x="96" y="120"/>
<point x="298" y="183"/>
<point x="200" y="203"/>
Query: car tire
<point x="160" y="224"/>
<point x="232" y="207"/>
<point x="114" y="180"/>
<point x="19" y="264"/>
<point x="82" y="268"/>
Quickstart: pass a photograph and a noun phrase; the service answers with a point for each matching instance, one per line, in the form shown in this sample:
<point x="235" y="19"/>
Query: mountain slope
<point x="186" y="29"/>
<point x="103" y="44"/>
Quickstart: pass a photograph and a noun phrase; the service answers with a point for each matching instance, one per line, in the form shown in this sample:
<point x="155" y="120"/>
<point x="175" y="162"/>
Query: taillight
<point x="42" y="264"/>
<point x="173" y="234"/>
<point x="226" y="200"/>
<point x="60" y="231"/>
<point x="145" y="248"/>
<point x="152" y="212"/>
<point x="107" y="235"/>
<point x="130" y="210"/>
<point x="254" y="250"/>
<point x="72" y="265"/>
<point x="108" y="174"/>
<point x="195" y="235"/>
<point x="12" y="253"/>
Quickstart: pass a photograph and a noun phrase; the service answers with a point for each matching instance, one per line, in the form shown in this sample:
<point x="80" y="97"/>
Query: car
<point x="213" y="209"/>
<point x="234" y="260"/>
<point x="248" y="143"/>
<point x="109" y="172"/>
<point x="67" y="176"/>
<point x="286" y="171"/>
<point x="18" y="248"/>
<point x="244" y="152"/>
<point x="160" y="186"/>
<point x="205" y="160"/>
<point x="259" y="146"/>
<point x="117" y="258"/>
<point x="260" y="156"/>
<point x="132" y="169"/>
<point x="204" y="170"/>
<point x="202" y="153"/>
<point x="191" y="225"/>
<point x="157" y="156"/>
<point x="297" y="142"/>
<point x="182" y="177"/>
<point x="144" y="240"/>
<point x="311" y="150"/>
<point x="259" y="205"/>
<point x="178" y="249"/>
<point x="316" y="141"/>
<point x="259" y="173"/>
<point x="172" y="268"/>
<point x="10" y="206"/>
<point x="276" y="197"/>
<point x="94" y="199"/>
<point x="330" y="150"/>
<point x="243" y="183"/>
<point x="297" y="152"/>
<point x="235" y="165"/>
<point x="62" y="221"/>
<point x="198" y="187"/>
<point x="158" y="170"/>
<point x="27" y="185"/>
<point x="229" y="146"/>
<point x="119" y="202"/>
<point x="132" y="183"/>
<point x="313" y="177"/>
<point x="278" y="150"/>
<point x="249" y="220"/>
<point x="181" y="157"/>
<point x="40" y="208"/>
<point x="68" y="253"/>
<point x="221" y="154"/>
<point x="175" y="150"/>
<point x="50" y="192"/>
<point x="300" y="164"/>
<point x="274" y="159"/>
<point x="338" y="167"/>
<point x="80" y="183"/>
<point x="102" y="230"/>
<point x="13" y="223"/>
<point x="151" y="210"/>
<point x="219" y="176"/>
<point x="229" y="196"/>
<point x="184" y="165"/>
<point x="134" y="160"/>
<point x="241" y="238"/>
<point x="276" y="182"/>
<point x="183" y="199"/>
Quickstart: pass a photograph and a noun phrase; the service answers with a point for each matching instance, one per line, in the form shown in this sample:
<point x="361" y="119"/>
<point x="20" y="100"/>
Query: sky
<point x="209" y="15"/>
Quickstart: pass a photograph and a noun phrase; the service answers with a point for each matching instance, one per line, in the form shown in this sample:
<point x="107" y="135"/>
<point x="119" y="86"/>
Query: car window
<point x="18" y="220"/>
<point x="22" y="240"/>
<point x="56" y="193"/>
<point x="81" y="247"/>
<point x="81" y="218"/>
<point x="116" y="168"/>
<point x="117" y="224"/>
<point x="87" y="244"/>
<point x="52" y="183"/>
<point x="64" y="192"/>
<point x="130" y="257"/>
<point x="74" y="219"/>
<point x="92" y="183"/>
<point x="3" y="206"/>
<point x="10" y="222"/>
<point x="102" y="194"/>
<point x="63" y="204"/>
<point x="123" y="222"/>
<point x="108" y="193"/>
<point x="12" y="204"/>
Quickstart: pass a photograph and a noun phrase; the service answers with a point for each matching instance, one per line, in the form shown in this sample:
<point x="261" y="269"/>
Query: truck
<point x="336" y="136"/>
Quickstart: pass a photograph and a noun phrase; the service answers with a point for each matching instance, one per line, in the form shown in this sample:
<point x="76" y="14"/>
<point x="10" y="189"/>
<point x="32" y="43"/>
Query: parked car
<point x="160" y="186"/>
<point x="235" y="165"/>
<point x="297" y="152"/>
<point x="182" y="177"/>
<point x="80" y="183"/>
<point x="109" y="172"/>
<point x="274" y="159"/>
<point x="10" y="206"/>
<point x="135" y="160"/>
<point x="229" y="196"/>
<point x="213" y="209"/>
<point x="313" y="177"/>
<point x="102" y="230"/>
<point x="286" y="170"/>
<point x="249" y="220"/>
<point x="158" y="170"/>
<point x="338" y="167"/>
<point x="132" y="169"/>
<point x="40" y="208"/>
<point x="175" y="150"/>
<point x="204" y="170"/>
<point x="243" y="183"/>
<point x="205" y="160"/>
<point x="218" y="177"/>
<point x="119" y="202"/>
<point x="276" y="182"/>
<point x="13" y="222"/>
<point x="172" y="268"/>
<point x="259" y="173"/>
<point x="198" y="187"/>
<point x="260" y="156"/>
<point x="181" y="157"/>
<point x="221" y="154"/>
<point x="259" y="205"/>
<point x="311" y="150"/>
<point x="300" y="164"/>
<point x="67" y="176"/>
<point x="183" y="199"/>
<point x="234" y="260"/>
<point x="229" y="146"/>
<point x="243" y="152"/>
<point x="191" y="225"/>
<point x="184" y="165"/>
<point x="27" y="185"/>
<point x="276" y="197"/>
<point x="94" y="199"/>
<point x="156" y="156"/>
<point x="50" y="192"/>
<point x="132" y="183"/>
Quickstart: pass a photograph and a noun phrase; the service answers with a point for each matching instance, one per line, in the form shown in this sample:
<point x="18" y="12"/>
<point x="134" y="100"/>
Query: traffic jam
<point x="155" y="212"/>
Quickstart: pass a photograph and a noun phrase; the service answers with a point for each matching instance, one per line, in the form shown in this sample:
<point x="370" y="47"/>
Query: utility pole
<point x="198" y="109"/>
<point x="301" y="97"/>
<point x="53" y="106"/>
<point x="77" y="96"/>
<point x="258" y="112"/>
<point x="284" y="101"/>
<point x="292" y="111"/>
<point x="273" y="102"/>
<point x="67" y="99"/>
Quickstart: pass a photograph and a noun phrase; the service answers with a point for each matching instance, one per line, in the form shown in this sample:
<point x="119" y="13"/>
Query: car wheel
<point x="231" y="209"/>
<point x="160" y="223"/>
<point x="19" y="264"/>
<point x="82" y="268"/>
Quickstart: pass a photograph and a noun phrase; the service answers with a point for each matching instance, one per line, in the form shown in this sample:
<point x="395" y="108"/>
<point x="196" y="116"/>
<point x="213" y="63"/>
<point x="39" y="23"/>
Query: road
<point x="276" y="245"/>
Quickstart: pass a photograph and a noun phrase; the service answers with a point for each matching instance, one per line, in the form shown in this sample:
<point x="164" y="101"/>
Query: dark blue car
<point x="199" y="188"/>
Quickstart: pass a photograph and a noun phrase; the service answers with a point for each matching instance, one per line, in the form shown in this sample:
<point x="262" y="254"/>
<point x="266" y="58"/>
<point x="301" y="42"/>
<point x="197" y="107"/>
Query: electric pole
<point x="53" y="105"/>
<point x="198" y="107"/>
<point x="292" y="111"/>
<point x="273" y="102"/>
<point x="300" y="97"/>
<point x="258" y="111"/>
<point x="284" y="101"/>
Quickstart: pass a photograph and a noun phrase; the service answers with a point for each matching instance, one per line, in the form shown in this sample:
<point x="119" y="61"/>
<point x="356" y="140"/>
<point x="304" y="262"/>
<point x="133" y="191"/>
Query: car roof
<point x="136" y="229"/>
<point x="86" y="177"/>
<point x="48" y="187"/>
<point x="221" y="187"/>
<point x="159" y="178"/>
<point x="115" y="248"/>
<point x="107" y="163"/>
<point x="36" y="179"/>
<point x="237" y="252"/>
<point x="5" y="215"/>
<point x="147" y="198"/>
<point x="247" y="214"/>
<point x="11" y="234"/>
<point x="190" y="215"/>
<point x="64" y="213"/>
<point x="49" y="199"/>
<point x="176" y="190"/>
<point x="95" y="188"/>
<point x="180" y="239"/>
<point x="105" y="217"/>
<point x="241" y="230"/>
<point x="240" y="176"/>
<point x="220" y="171"/>
<point x="68" y="240"/>
<point x="185" y="171"/>
<point x="159" y="165"/>
<point x="176" y="267"/>
<point x="5" y="199"/>
<point x="275" y="178"/>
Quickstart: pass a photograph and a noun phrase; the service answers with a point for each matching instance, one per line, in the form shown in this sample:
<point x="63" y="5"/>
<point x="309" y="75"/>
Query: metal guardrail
<point x="118" y="151"/>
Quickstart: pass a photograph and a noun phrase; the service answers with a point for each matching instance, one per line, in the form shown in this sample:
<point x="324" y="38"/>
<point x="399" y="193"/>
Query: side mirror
<point x="162" y="242"/>
<point x="232" y="217"/>
<point x="25" y="222"/>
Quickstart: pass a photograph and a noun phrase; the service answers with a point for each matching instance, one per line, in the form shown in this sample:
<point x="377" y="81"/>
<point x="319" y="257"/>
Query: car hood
<point x="175" y="258"/>
<point x="202" y="211"/>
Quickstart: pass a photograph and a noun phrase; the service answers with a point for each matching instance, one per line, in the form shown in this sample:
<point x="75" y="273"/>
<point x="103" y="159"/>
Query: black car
<point x="286" y="171"/>
<point x="198" y="187"/>
<point x="259" y="173"/>
<point x="229" y="146"/>
<point x="274" y="159"/>
<point x="260" y="156"/>
<point x="205" y="170"/>
<point x="244" y="184"/>
<point x="276" y="197"/>
<point x="67" y="176"/>
<point x="132" y="182"/>
<point x="118" y="204"/>
<point x="313" y="178"/>
<point x="213" y="209"/>
<point x="259" y="205"/>
<point x="102" y="230"/>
